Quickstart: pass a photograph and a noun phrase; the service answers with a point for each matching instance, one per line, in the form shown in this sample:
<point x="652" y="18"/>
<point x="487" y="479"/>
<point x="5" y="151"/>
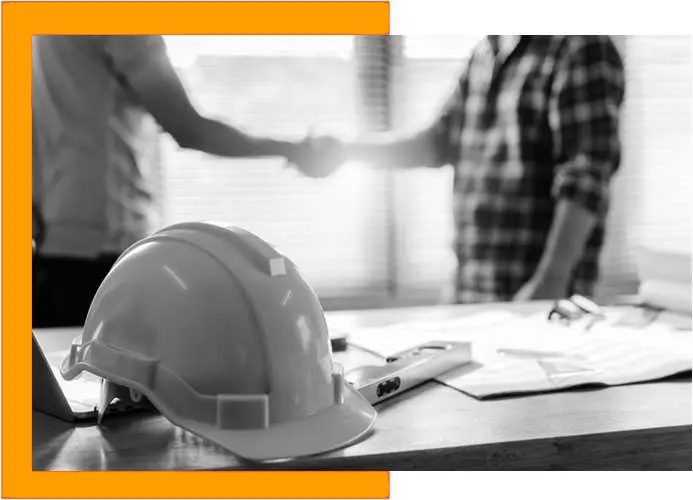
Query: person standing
<point x="97" y="105"/>
<point x="532" y="131"/>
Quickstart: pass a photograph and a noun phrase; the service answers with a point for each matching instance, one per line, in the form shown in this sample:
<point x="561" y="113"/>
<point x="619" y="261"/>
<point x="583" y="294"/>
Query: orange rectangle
<point x="20" y="21"/>
<point x="193" y="18"/>
<point x="198" y="484"/>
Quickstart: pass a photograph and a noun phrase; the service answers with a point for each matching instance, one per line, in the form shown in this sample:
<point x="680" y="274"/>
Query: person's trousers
<point x="63" y="288"/>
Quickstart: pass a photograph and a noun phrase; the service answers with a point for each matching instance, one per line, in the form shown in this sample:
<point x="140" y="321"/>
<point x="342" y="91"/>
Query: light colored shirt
<point x="95" y="150"/>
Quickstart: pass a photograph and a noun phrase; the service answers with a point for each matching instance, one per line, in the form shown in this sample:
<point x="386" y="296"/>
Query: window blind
<point x="429" y="69"/>
<point x="334" y="229"/>
<point x="378" y="235"/>
<point x="651" y="194"/>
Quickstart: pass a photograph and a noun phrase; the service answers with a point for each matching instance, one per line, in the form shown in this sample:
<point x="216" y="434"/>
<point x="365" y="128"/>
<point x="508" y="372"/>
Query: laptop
<point x="74" y="400"/>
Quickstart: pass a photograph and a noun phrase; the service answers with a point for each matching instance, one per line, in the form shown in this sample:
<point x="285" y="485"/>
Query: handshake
<point x="317" y="156"/>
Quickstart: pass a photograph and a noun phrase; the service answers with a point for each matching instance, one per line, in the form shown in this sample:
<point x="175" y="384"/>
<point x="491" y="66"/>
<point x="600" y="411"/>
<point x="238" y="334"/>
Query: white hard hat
<point x="226" y="339"/>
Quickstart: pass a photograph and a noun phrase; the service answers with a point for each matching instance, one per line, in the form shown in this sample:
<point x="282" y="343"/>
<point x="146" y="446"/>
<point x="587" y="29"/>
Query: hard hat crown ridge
<point x="222" y="333"/>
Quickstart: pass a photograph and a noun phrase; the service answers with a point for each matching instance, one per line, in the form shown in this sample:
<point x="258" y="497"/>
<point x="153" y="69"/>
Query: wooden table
<point x="641" y="426"/>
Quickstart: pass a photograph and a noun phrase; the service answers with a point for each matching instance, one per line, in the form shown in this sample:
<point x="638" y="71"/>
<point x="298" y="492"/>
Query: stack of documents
<point x="665" y="279"/>
<point x="518" y="355"/>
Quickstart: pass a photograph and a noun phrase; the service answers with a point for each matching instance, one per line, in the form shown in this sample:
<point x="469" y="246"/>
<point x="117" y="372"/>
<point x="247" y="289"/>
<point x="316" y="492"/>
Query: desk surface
<point x="432" y="427"/>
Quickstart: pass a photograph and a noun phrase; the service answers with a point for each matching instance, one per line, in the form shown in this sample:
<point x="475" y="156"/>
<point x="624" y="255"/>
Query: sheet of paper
<point x="536" y="355"/>
<point x="401" y="336"/>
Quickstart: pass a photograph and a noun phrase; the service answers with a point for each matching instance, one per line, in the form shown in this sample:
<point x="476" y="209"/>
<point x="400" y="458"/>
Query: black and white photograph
<point x="405" y="252"/>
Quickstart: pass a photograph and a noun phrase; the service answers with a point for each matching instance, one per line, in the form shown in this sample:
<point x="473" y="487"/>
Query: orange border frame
<point x="20" y="21"/>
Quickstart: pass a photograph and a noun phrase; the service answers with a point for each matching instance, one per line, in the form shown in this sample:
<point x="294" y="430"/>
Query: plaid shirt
<point x="526" y="127"/>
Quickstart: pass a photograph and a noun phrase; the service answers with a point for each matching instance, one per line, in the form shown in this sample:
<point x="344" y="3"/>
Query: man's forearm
<point x="217" y="138"/>
<point x="570" y="229"/>
<point x="391" y="151"/>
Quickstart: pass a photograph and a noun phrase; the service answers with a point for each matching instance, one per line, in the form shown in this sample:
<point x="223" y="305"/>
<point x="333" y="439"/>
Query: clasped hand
<point x="318" y="156"/>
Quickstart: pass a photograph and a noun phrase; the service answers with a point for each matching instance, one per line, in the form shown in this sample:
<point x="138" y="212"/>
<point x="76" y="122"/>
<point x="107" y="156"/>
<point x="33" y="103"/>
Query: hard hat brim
<point x="332" y="428"/>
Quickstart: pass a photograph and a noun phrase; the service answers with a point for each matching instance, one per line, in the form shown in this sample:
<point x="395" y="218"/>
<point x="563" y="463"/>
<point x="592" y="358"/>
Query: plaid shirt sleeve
<point x="587" y="92"/>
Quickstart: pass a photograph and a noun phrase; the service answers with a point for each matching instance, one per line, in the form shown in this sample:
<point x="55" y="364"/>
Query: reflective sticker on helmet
<point x="243" y="411"/>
